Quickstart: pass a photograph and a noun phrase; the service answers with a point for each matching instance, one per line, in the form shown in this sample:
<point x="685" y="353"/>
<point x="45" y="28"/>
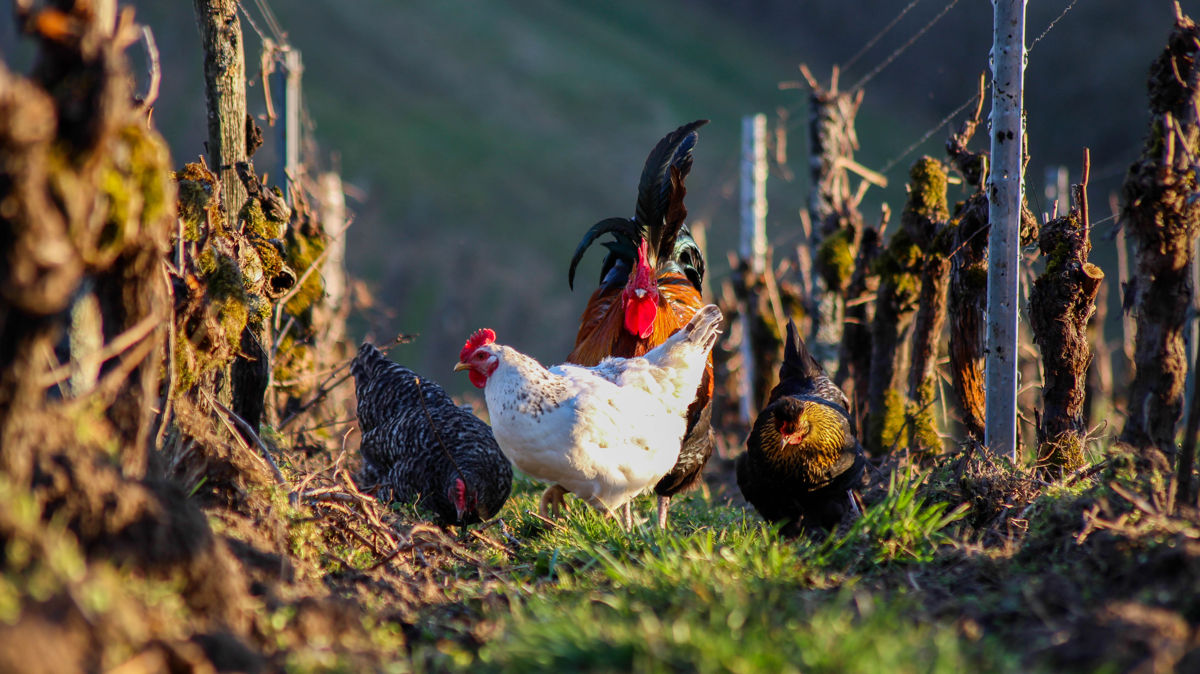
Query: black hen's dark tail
<point x="370" y="367"/>
<point x="801" y="374"/>
<point x="659" y="215"/>
<point x="366" y="363"/>
<point x="798" y="364"/>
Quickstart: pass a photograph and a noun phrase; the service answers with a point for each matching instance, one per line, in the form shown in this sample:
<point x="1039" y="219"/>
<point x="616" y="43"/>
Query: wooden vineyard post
<point x="1005" y="191"/>
<point x="1162" y="219"/>
<point x="752" y="244"/>
<point x="288" y="84"/>
<point x="225" y="95"/>
<point x="1061" y="302"/>
<point x="759" y="341"/>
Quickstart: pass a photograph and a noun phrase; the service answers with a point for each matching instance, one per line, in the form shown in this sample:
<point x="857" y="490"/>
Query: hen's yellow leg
<point x="553" y="499"/>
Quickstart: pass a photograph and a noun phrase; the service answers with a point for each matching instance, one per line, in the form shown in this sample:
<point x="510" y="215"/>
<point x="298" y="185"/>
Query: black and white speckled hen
<point x="418" y="444"/>
<point x="802" y="462"/>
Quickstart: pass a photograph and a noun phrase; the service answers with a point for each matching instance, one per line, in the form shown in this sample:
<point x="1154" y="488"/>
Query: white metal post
<point x="288" y="88"/>
<point x="753" y="243"/>
<point x="1005" y="191"/>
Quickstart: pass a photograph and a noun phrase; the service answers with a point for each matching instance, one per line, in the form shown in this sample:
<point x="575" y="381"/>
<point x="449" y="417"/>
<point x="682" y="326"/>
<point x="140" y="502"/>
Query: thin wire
<point x="900" y="50"/>
<point x="250" y="20"/>
<point x="1068" y="8"/>
<point x="945" y="120"/>
<point x="871" y="43"/>
<point x="272" y="22"/>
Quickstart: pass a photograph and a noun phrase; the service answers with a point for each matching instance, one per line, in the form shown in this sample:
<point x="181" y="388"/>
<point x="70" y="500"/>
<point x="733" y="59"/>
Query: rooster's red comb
<point x="482" y="336"/>
<point x="644" y="253"/>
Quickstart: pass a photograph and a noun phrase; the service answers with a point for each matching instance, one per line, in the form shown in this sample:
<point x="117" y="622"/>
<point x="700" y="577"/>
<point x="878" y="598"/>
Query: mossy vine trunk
<point x="853" y="374"/>
<point x="1163" y="218"/>
<point x="927" y="333"/>
<point x="967" y="293"/>
<point x="766" y="344"/>
<point x="968" y="315"/>
<point x="88" y="208"/>
<point x="1061" y="302"/>
<point x="900" y="268"/>
<point x="837" y="225"/>
<point x="225" y="94"/>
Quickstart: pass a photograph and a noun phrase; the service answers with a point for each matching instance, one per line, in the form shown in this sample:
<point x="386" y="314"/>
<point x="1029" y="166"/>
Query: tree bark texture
<point x="854" y="358"/>
<point x="727" y="370"/>
<point x="1185" y="490"/>
<point x="1061" y="302"/>
<point x="1100" y="375"/>
<point x="927" y="333"/>
<point x="900" y="268"/>
<point x="833" y="209"/>
<point x="1162" y="221"/>
<point x="762" y="333"/>
<point x="225" y="96"/>
<point x="86" y="222"/>
<point x="968" y="315"/>
<point x="967" y="295"/>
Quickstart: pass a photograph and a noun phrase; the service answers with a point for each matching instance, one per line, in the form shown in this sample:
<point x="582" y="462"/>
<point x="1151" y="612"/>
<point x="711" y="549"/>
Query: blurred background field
<point x="480" y="140"/>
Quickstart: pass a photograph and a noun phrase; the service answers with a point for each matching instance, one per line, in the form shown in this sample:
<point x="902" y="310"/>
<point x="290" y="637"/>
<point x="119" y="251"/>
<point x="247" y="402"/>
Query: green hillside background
<point x="482" y="138"/>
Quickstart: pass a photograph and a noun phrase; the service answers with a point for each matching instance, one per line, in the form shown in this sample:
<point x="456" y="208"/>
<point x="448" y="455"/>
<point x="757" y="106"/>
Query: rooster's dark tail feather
<point x="660" y="211"/>
<point x="658" y="218"/>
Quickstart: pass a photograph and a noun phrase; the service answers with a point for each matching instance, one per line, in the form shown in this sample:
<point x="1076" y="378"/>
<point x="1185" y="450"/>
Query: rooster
<point x="418" y="445"/>
<point x="605" y="433"/>
<point x="802" y="462"/>
<point x="650" y="287"/>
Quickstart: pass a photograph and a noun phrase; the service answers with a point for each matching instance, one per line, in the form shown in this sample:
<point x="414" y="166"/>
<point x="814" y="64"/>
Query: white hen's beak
<point x="460" y="366"/>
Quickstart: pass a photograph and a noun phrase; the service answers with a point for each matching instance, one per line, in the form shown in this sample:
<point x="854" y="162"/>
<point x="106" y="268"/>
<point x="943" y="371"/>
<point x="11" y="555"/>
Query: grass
<point x="720" y="590"/>
<point x="1091" y="576"/>
<point x="1068" y="578"/>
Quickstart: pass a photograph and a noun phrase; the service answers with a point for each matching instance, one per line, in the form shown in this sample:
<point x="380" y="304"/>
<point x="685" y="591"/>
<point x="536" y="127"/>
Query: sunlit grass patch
<point x="904" y="527"/>
<point x="719" y="590"/>
<point x="709" y="609"/>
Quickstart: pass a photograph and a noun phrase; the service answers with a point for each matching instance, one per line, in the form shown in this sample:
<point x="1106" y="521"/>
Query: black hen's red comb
<point x="482" y="336"/>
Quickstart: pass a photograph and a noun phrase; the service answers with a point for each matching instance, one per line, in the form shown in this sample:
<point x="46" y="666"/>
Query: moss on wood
<point x="900" y="268"/>
<point x="835" y="259"/>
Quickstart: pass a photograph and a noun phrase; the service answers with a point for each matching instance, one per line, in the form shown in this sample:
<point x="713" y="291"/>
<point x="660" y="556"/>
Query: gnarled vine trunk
<point x="1163" y="219"/>
<point x="1061" y="302"/>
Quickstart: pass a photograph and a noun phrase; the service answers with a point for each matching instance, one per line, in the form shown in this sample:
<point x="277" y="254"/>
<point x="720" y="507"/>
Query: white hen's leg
<point x="627" y="512"/>
<point x="617" y="515"/>
<point x="664" y="502"/>
<point x="552" y="499"/>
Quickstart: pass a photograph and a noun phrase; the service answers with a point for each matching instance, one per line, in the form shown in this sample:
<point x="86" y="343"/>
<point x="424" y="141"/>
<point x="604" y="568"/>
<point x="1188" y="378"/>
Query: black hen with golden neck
<point x="802" y="462"/>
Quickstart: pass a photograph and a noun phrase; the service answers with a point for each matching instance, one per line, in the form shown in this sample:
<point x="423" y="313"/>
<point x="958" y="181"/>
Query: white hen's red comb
<point x="482" y="336"/>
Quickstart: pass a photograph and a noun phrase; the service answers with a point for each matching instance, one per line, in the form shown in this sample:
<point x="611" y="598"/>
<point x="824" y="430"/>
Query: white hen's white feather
<point x="605" y="433"/>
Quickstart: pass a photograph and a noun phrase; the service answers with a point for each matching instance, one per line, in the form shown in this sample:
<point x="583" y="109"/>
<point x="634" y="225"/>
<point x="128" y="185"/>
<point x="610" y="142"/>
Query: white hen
<point x="605" y="433"/>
